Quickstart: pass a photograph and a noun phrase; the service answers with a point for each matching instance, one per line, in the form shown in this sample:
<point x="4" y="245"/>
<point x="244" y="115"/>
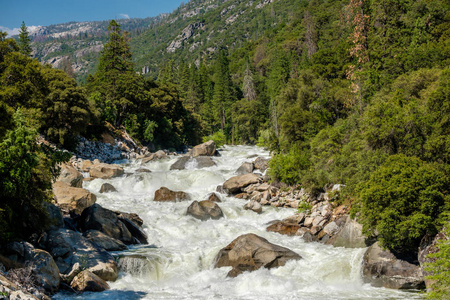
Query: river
<point x="179" y="263"/>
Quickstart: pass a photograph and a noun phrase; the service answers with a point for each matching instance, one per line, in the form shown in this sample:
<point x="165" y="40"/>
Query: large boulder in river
<point x="250" y="252"/>
<point x="107" y="188"/>
<point x="72" y="199"/>
<point x="283" y="227"/>
<point x="205" y="149"/>
<point x="70" y="175"/>
<point x="349" y="236"/>
<point x="68" y="247"/>
<point x="245" y="168"/>
<point x="187" y="162"/>
<point x="105" y="171"/>
<point x="106" y="221"/>
<point x="382" y="269"/>
<point x="154" y="156"/>
<point x="261" y="164"/>
<point x="104" y="241"/>
<point x="205" y="210"/>
<point x="237" y="183"/>
<point x="253" y="206"/>
<point x="87" y="281"/>
<point x="166" y="195"/>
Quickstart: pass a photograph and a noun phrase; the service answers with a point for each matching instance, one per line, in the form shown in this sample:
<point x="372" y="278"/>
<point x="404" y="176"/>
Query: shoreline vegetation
<point x="355" y="93"/>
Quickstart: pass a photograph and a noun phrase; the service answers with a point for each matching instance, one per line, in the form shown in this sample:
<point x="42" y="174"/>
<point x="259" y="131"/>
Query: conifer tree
<point x="24" y="41"/>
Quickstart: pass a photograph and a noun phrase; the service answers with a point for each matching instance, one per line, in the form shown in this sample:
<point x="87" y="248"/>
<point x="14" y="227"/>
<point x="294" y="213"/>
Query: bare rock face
<point x="245" y="168"/>
<point x="107" y="188"/>
<point x="214" y="197"/>
<point x="382" y="269"/>
<point x="349" y="236"/>
<point x="70" y="175"/>
<point x="105" y="171"/>
<point x="284" y="228"/>
<point x="166" y="195"/>
<point x="205" y="210"/>
<point x="254" y="206"/>
<point x="237" y="183"/>
<point x="87" y="281"/>
<point x="104" y="241"/>
<point x="205" y="149"/>
<point x="261" y="164"/>
<point x="250" y="252"/>
<point x="106" y="221"/>
<point x="72" y="198"/>
<point x="187" y="162"/>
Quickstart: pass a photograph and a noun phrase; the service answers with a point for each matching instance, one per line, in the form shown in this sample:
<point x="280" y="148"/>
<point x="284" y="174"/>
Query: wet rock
<point x="155" y="156"/>
<point x="331" y="228"/>
<point x="104" y="241"/>
<point x="205" y="149"/>
<point x="261" y="164"/>
<point x="284" y="228"/>
<point x="87" y="281"/>
<point x="166" y="195"/>
<point x="309" y="237"/>
<point x="135" y="231"/>
<point x="105" y="171"/>
<point x="382" y="269"/>
<point x="254" y="206"/>
<point x="187" y="162"/>
<point x="237" y="183"/>
<point x="295" y="219"/>
<point x="349" y="236"/>
<point x="205" y="210"/>
<point x="107" y="188"/>
<point x="131" y="216"/>
<point x="72" y="199"/>
<point x="106" y="221"/>
<point x="245" y="168"/>
<point x="70" y="175"/>
<point x="143" y="170"/>
<point x="68" y="247"/>
<point x="213" y="197"/>
<point x="250" y="252"/>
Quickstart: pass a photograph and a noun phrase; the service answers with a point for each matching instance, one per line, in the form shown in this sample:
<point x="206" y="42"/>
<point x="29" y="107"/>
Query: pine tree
<point x="24" y="41"/>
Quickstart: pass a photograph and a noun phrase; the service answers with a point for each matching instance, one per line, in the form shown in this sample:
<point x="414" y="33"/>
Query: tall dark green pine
<point x="24" y="41"/>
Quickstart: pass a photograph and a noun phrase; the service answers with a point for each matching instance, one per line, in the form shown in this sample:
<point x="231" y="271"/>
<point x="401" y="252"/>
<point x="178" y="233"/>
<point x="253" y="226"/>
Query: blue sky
<point x="47" y="12"/>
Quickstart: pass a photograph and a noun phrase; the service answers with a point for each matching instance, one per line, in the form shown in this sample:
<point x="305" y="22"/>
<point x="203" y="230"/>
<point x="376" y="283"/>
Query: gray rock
<point x="104" y="241"/>
<point x="107" y="188"/>
<point x="254" y="206"/>
<point x="187" y="162"/>
<point x="105" y="171"/>
<point x="245" y="168"/>
<point x="205" y="149"/>
<point x="331" y="228"/>
<point x="205" y="210"/>
<point x="55" y="215"/>
<point x="382" y="269"/>
<point x="261" y="164"/>
<point x="238" y="183"/>
<point x="87" y="281"/>
<point x="349" y="236"/>
<point x="250" y="252"/>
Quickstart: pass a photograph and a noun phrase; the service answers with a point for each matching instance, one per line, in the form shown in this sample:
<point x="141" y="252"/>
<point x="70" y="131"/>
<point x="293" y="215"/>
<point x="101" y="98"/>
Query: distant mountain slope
<point x="193" y="31"/>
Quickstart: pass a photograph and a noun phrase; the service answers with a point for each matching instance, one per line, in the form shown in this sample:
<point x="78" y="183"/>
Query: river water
<point x="179" y="263"/>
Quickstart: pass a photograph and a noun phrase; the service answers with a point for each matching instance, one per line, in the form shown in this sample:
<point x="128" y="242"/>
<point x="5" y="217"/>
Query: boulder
<point x="331" y="228"/>
<point x="85" y="165"/>
<point x="250" y="252"/>
<point x="382" y="269"/>
<point x="245" y="168"/>
<point x="135" y="230"/>
<point x="349" y="236"/>
<point x="105" y="171"/>
<point x="87" y="281"/>
<point x="154" y="156"/>
<point x="68" y="247"/>
<point x="254" y="206"/>
<point x="13" y="291"/>
<point x="131" y="216"/>
<point x="213" y="197"/>
<point x="166" y="195"/>
<point x="284" y="228"/>
<point x="72" y="199"/>
<point x="205" y="210"/>
<point x="106" y="221"/>
<point x="107" y="188"/>
<point x="205" y="149"/>
<point x="237" y="183"/>
<point x="295" y="219"/>
<point x="104" y="241"/>
<point x="261" y="164"/>
<point x="70" y="175"/>
<point x="187" y="162"/>
<point x="55" y="215"/>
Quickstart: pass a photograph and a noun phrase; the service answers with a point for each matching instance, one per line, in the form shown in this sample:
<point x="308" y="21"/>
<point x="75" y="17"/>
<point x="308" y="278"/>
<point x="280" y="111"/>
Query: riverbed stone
<point x="186" y="161"/>
<point x="165" y="195"/>
<point x="254" y="206"/>
<point x="206" y="149"/>
<point x="382" y="269"/>
<point x="349" y="235"/>
<point x="261" y="164"/>
<point x="238" y="183"/>
<point x="72" y="199"/>
<point x="160" y="154"/>
<point x="87" y="281"/>
<point x="245" y="168"/>
<point x="70" y="175"/>
<point x="213" y="197"/>
<point x="250" y="252"/>
<point x="105" y="171"/>
<point x="107" y="188"/>
<point x="104" y="241"/>
<point x="205" y="210"/>
<point x="283" y="227"/>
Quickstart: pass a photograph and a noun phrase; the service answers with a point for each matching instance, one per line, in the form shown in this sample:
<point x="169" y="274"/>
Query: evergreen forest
<point x="355" y="92"/>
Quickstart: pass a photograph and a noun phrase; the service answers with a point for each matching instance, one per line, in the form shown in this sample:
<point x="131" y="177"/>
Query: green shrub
<point x="290" y="167"/>
<point x="403" y="200"/>
<point x="218" y="137"/>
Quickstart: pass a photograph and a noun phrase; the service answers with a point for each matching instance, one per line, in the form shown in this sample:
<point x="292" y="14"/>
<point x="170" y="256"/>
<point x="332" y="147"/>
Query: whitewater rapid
<point x="179" y="262"/>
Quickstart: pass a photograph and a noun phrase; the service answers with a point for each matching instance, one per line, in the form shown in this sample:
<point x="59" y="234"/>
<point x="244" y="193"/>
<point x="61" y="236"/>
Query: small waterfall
<point x="139" y="266"/>
<point x="191" y="164"/>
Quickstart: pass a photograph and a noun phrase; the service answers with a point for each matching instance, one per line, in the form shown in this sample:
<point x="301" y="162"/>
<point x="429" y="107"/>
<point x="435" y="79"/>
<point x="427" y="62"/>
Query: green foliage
<point x="304" y="207"/>
<point x="24" y="41"/>
<point x="439" y="267"/>
<point x="290" y="168"/>
<point x="402" y="201"/>
<point x="218" y="138"/>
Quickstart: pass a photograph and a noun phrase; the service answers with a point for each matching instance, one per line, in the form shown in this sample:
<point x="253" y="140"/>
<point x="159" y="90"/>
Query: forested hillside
<point x="354" y="92"/>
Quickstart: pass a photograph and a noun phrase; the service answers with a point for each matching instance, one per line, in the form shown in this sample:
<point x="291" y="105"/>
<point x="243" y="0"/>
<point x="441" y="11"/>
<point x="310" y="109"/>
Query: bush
<point x="403" y="200"/>
<point x="218" y="137"/>
<point x="290" y="167"/>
